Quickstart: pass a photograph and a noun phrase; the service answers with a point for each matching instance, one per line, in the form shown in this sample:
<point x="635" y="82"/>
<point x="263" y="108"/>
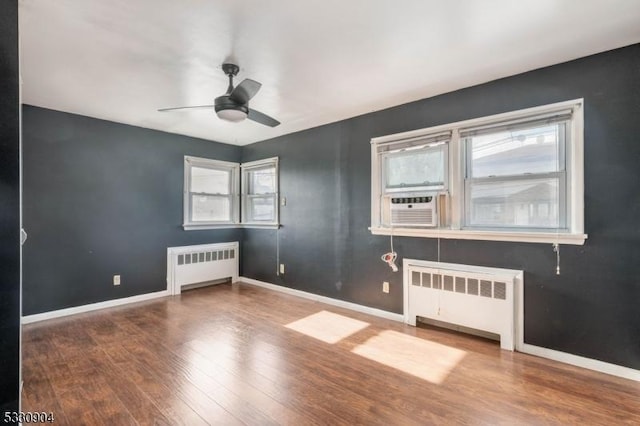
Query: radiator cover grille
<point x="464" y="285"/>
<point x="205" y="256"/>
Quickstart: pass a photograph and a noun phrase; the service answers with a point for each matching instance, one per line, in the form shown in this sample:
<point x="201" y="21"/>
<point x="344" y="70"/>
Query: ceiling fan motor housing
<point x="226" y="108"/>
<point x="230" y="69"/>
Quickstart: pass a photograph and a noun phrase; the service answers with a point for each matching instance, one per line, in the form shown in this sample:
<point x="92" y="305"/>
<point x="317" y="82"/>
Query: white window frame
<point x="226" y="166"/>
<point x="455" y="229"/>
<point x="246" y="169"/>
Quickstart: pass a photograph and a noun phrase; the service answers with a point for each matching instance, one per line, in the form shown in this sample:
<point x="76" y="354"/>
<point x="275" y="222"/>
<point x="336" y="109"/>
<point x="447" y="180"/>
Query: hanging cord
<point x="556" y="248"/>
<point x="390" y="258"/>
<point x="278" y="251"/>
<point x="556" y="245"/>
<point x="441" y="277"/>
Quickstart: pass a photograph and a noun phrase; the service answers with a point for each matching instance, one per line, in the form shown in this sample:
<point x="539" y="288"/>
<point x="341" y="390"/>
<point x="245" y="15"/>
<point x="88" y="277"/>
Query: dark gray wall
<point x="589" y="310"/>
<point x="9" y="209"/>
<point x="100" y="199"/>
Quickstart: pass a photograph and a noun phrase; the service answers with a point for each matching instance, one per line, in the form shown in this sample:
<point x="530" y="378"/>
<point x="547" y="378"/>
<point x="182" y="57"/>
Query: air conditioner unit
<point x="414" y="211"/>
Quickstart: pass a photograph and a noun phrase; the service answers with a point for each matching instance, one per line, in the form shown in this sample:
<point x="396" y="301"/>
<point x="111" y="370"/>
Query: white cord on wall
<point x="441" y="277"/>
<point x="556" y="248"/>
<point x="278" y="251"/>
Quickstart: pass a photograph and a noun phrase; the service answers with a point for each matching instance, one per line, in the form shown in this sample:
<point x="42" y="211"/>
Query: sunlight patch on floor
<point x="327" y="326"/>
<point x="421" y="358"/>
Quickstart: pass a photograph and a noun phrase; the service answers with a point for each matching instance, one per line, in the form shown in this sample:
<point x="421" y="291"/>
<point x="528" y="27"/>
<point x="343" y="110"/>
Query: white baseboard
<point x="328" y="300"/>
<point x="28" y="319"/>
<point x="579" y="361"/>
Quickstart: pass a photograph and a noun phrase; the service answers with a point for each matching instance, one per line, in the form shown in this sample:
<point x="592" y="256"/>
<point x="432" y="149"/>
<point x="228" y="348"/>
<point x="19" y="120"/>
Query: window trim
<point x="245" y="169"/>
<point x="574" y="163"/>
<point x="227" y="166"/>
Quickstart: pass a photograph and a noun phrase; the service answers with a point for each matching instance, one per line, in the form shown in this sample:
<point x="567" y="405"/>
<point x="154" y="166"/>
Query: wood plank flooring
<point x="238" y="354"/>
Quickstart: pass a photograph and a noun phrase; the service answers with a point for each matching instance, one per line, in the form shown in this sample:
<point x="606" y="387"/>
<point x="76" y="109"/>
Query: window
<point x="260" y="192"/>
<point x="415" y="167"/>
<point x="516" y="176"/>
<point x="212" y="197"/>
<point x="419" y="168"/>
<point x="210" y="194"/>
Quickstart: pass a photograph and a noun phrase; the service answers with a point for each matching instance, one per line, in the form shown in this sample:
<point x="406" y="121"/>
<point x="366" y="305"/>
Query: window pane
<point x="415" y="168"/>
<point x="261" y="209"/>
<point x="208" y="208"/>
<point x="524" y="203"/>
<point x="209" y="181"/>
<point x="516" y="152"/>
<point x="262" y="181"/>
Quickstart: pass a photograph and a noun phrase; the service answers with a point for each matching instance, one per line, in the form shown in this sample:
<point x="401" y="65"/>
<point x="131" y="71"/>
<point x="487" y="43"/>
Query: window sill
<point x="199" y="227"/>
<point x="260" y="225"/>
<point x="463" y="234"/>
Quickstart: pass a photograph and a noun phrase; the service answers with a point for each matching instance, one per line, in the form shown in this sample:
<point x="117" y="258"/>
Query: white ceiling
<point x="319" y="61"/>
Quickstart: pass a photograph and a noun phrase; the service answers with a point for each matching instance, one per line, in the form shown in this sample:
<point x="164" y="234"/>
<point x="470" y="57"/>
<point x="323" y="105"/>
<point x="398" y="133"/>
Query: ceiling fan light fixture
<point x="233" y="115"/>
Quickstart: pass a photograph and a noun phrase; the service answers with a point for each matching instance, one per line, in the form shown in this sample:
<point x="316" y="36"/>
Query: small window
<point x="421" y="168"/>
<point x="260" y="192"/>
<point x="409" y="170"/>
<point x="210" y="193"/>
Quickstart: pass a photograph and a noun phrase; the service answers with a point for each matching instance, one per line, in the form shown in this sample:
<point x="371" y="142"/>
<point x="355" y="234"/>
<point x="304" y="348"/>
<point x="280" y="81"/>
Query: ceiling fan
<point x="234" y="104"/>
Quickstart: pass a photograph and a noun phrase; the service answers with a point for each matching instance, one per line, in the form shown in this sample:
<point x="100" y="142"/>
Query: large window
<point x="215" y="195"/>
<point x="515" y="176"/>
<point x="260" y="192"/>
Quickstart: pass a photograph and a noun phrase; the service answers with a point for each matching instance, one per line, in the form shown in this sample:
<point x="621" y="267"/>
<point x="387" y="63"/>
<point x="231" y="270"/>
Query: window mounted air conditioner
<point x="414" y="211"/>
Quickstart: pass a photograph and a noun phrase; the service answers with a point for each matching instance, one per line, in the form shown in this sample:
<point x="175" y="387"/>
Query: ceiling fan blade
<point x="261" y="118"/>
<point x="245" y="91"/>
<point x="187" y="107"/>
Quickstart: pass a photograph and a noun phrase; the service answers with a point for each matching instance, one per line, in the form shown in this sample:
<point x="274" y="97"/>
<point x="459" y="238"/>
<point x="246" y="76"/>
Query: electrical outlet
<point x="385" y="286"/>
<point x="283" y="201"/>
<point x="282" y="268"/>
<point x="116" y="280"/>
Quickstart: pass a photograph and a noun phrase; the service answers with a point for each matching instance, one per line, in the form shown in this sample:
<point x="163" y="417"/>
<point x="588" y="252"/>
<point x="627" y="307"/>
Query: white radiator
<point x="201" y="263"/>
<point x="474" y="297"/>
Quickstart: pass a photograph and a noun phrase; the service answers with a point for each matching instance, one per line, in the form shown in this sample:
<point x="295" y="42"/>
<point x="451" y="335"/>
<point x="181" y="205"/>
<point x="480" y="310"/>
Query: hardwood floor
<point x="238" y="354"/>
